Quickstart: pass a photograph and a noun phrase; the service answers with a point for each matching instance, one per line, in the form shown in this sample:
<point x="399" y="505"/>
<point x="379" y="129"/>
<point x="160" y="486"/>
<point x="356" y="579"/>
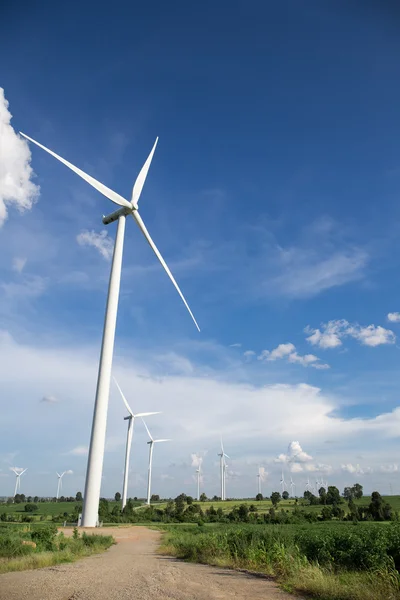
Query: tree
<point x="117" y="496"/>
<point x="203" y="497"/>
<point x="348" y="493"/>
<point x="333" y="495"/>
<point x="357" y="491"/>
<point x="189" y="500"/>
<point x="275" y="498"/>
<point x="155" y="498"/>
<point x="285" y="495"/>
<point x="326" y="513"/>
<point x="29" y="507"/>
<point x="259" y="497"/>
<point x="36" y="499"/>
<point x="78" y="497"/>
<point x="322" y="495"/>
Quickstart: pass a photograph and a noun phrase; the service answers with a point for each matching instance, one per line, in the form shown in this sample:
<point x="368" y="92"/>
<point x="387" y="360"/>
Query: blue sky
<point x="273" y="196"/>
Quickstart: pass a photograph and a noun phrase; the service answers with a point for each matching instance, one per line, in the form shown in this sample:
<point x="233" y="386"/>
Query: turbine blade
<point x="147" y="429"/>
<point x="100" y="187"/>
<point x="22" y="472"/>
<point x="146" y="234"/>
<point x="128" y="408"/>
<point x="141" y="178"/>
<point x="58" y="474"/>
<point x="165" y="440"/>
<point x="147" y="414"/>
<point x="227" y="455"/>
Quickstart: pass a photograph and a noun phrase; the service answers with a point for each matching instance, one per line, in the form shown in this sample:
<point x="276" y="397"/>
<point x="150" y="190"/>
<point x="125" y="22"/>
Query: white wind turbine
<point x="151" y="443"/>
<point x="59" y="484"/>
<point x="131" y="421"/>
<point x="292" y="487"/>
<point x="18" y="474"/>
<point x="308" y="487"/>
<point x="98" y="435"/>
<point x="283" y="482"/>
<point x="259" y="480"/>
<point x="222" y="456"/>
<point x="198" y="472"/>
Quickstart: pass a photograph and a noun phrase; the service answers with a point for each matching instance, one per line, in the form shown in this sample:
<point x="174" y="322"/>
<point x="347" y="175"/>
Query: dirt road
<point x="133" y="570"/>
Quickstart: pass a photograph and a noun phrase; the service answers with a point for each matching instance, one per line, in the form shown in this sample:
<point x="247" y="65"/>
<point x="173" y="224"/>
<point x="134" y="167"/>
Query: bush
<point x="44" y="537"/>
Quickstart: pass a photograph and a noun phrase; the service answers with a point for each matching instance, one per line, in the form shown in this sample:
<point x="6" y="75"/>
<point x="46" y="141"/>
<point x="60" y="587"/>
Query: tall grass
<point x="51" y="548"/>
<point x="333" y="564"/>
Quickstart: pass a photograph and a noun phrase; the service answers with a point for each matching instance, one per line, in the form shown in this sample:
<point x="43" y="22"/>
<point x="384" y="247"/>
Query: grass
<point x="327" y="562"/>
<point x="52" y="548"/>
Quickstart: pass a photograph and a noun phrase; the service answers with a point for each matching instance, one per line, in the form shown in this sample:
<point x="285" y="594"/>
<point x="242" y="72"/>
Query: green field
<point x="263" y="506"/>
<point x="47" y="509"/>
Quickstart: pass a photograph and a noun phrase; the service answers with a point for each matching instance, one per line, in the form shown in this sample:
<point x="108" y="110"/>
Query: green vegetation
<point x="330" y="561"/>
<point x="35" y="546"/>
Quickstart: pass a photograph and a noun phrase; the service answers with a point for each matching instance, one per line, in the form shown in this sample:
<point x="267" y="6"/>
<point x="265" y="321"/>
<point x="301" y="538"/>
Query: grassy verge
<point x="35" y="548"/>
<point x="352" y="564"/>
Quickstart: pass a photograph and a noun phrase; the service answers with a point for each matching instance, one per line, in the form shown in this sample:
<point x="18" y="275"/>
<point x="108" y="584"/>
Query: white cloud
<point x="296" y="453"/>
<point x="103" y="244"/>
<point x="79" y="451"/>
<point x="235" y="345"/>
<point x="69" y="472"/>
<point x="393" y="468"/>
<point x="197" y="460"/>
<point x="50" y="399"/>
<point x="394" y="317"/>
<point x="248" y="355"/>
<point x="18" y="264"/>
<point x="289" y="351"/>
<point x="331" y="334"/>
<point x="16" y="186"/>
<point x="373" y="335"/>
<point x="356" y="469"/>
<point x="18" y="469"/>
<point x="262" y="473"/>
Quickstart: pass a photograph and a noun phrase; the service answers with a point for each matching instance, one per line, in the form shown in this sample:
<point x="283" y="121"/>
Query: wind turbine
<point x="283" y="482"/>
<point x="59" y="484"/>
<point x="151" y="444"/>
<point x="131" y="421"/>
<point x="222" y="456"/>
<point x="198" y="471"/>
<point x="98" y="434"/>
<point x="292" y="487"/>
<point x="259" y="480"/>
<point x="18" y="480"/>
<point x="308" y="485"/>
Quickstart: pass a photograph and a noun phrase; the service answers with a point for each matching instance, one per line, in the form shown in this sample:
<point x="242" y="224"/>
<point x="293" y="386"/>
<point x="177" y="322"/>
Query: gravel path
<point x="133" y="570"/>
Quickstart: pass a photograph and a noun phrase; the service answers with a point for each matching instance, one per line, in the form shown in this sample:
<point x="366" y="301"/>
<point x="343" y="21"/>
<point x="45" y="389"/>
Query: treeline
<point x="184" y="510"/>
<point x="21" y="498"/>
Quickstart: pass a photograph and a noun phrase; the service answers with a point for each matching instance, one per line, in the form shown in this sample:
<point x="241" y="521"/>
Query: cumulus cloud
<point x="349" y="468"/>
<point x="103" y="244"/>
<point x="16" y="186"/>
<point x="69" y="472"/>
<point x="248" y="355"/>
<point x="394" y="317"/>
<point x="393" y="468"/>
<point x="197" y="459"/>
<point x="18" y="264"/>
<point x="331" y="334"/>
<point x="79" y="451"/>
<point x="262" y="473"/>
<point x="295" y="453"/>
<point x="50" y="399"/>
<point x="289" y="351"/>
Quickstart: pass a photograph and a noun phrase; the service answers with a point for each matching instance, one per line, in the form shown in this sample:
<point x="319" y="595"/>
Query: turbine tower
<point x="98" y="434"/>
<point x="59" y="484"/>
<point x="308" y="487"/>
<point x="18" y="474"/>
<point x="131" y="421"/>
<point x="222" y="456"/>
<point x="292" y="487"/>
<point x="283" y="482"/>
<point x="151" y="444"/>
<point x="259" y="480"/>
<point x="198" y="471"/>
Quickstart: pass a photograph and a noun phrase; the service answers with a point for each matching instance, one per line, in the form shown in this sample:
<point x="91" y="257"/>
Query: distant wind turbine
<point x="59" y="484"/>
<point x="131" y="421"/>
<point x="292" y="487"/>
<point x="283" y="482"/>
<point x="151" y="444"/>
<point x="198" y="472"/>
<point x="18" y="474"/>
<point x="223" y="465"/>
<point x="98" y="435"/>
